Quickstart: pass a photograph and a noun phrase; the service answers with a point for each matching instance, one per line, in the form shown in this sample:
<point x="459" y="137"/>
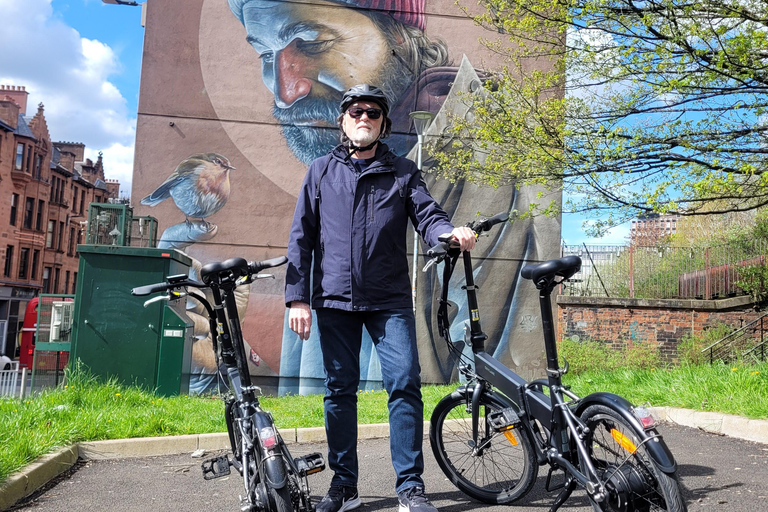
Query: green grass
<point x="88" y="410"/>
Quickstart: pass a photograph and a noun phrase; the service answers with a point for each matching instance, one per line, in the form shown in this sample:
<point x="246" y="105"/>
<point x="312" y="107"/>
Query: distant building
<point x="653" y="228"/>
<point x="45" y="190"/>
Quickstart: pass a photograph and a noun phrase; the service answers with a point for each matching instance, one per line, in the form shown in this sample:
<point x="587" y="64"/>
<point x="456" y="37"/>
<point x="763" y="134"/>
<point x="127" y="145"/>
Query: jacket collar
<point x="384" y="157"/>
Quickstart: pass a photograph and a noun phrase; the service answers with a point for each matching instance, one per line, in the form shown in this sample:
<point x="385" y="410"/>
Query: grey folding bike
<point x="490" y="435"/>
<point x="273" y="480"/>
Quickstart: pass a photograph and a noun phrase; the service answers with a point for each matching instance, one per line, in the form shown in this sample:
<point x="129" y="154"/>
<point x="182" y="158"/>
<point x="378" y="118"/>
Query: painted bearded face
<point x="310" y="54"/>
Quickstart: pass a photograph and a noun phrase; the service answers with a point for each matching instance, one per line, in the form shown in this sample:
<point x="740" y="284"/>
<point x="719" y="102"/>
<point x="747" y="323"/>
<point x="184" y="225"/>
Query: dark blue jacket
<point x="358" y="236"/>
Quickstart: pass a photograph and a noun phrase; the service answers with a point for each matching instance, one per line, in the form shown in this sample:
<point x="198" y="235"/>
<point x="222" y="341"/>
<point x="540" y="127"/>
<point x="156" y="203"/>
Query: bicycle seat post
<point x="550" y="344"/>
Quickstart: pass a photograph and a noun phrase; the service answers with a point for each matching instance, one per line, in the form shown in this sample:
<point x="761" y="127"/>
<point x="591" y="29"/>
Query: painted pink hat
<point x="407" y="12"/>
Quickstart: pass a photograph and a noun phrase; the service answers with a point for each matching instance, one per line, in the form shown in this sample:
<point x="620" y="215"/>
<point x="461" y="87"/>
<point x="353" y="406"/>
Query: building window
<point x="29" y="212"/>
<point x="39" y="221"/>
<point x="35" y="262"/>
<point x="61" y="236"/>
<point x="14" y="208"/>
<point x="8" y="261"/>
<point x="49" y="234"/>
<point x="66" y="282"/>
<point x="82" y="201"/>
<point x="56" y="275"/>
<point x="29" y="159"/>
<point x="74" y="199"/>
<point x="19" y="156"/>
<point x="38" y="166"/>
<point x="23" y="262"/>
<point x="74" y="282"/>
<point x="47" y="280"/>
<point x="71" y="249"/>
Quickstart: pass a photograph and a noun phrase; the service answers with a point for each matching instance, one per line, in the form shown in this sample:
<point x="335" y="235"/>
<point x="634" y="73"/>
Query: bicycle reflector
<point x="268" y="438"/>
<point x="510" y="437"/>
<point x="623" y="441"/>
<point x="644" y="415"/>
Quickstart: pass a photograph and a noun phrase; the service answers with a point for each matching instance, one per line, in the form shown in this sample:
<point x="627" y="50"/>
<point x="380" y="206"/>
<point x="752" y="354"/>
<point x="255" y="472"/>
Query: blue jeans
<point x="394" y="335"/>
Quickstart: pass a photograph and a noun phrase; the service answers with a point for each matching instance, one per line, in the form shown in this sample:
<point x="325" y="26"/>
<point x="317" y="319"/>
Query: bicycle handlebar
<point x="441" y="250"/>
<point x="233" y="267"/>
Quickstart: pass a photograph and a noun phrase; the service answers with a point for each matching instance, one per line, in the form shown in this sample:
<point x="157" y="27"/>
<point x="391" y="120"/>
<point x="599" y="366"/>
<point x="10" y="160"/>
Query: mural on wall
<point x="263" y="88"/>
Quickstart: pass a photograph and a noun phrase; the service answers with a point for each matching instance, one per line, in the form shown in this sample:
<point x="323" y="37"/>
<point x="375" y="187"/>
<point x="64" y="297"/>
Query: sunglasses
<point x="357" y="113"/>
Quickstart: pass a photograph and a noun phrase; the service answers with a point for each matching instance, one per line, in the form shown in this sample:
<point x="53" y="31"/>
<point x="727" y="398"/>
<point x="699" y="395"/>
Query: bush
<point x="591" y="356"/>
<point x="689" y="349"/>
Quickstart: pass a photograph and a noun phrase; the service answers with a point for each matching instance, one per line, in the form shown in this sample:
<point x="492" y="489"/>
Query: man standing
<point x="349" y="232"/>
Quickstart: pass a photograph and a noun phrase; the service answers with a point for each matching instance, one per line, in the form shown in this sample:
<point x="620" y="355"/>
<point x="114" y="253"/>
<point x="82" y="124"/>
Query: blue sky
<point x="82" y="60"/>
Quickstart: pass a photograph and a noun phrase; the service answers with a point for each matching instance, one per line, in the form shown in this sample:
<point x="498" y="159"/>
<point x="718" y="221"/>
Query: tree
<point x="632" y="107"/>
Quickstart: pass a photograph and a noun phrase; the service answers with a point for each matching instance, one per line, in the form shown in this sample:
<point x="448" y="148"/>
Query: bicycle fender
<point x="655" y="445"/>
<point x="274" y="467"/>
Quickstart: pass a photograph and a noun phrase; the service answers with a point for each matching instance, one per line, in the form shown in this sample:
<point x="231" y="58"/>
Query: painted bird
<point x="199" y="186"/>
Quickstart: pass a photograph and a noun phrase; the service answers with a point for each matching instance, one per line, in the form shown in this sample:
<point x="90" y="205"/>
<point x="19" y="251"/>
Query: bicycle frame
<point x="260" y="455"/>
<point x="558" y="412"/>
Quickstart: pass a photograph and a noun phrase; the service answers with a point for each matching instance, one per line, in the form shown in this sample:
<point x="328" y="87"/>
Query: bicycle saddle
<point x="238" y="267"/>
<point x="544" y="273"/>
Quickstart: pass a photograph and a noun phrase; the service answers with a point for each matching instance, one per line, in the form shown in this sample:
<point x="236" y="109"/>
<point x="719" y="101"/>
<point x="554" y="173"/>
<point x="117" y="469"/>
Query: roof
<point x="100" y="184"/>
<point x="23" y="129"/>
<point x="5" y="127"/>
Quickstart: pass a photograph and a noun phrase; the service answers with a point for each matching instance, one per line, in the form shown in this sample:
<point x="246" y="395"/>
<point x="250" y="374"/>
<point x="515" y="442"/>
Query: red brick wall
<point x="622" y="322"/>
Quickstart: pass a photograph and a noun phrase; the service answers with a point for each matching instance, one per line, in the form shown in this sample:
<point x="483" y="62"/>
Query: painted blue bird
<point x="199" y="186"/>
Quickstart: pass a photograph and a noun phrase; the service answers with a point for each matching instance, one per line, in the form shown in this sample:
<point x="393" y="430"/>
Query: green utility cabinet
<point x="114" y="335"/>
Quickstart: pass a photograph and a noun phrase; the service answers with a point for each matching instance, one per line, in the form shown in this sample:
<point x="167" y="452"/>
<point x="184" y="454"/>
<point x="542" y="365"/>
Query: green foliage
<point x="690" y="347"/>
<point x="594" y="356"/>
<point x="630" y="107"/>
<point x="753" y="279"/>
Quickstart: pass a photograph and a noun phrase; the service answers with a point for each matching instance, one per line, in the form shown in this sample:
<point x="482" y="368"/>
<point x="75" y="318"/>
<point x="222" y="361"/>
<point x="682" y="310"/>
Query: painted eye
<point x="314" y="47"/>
<point x="267" y="57"/>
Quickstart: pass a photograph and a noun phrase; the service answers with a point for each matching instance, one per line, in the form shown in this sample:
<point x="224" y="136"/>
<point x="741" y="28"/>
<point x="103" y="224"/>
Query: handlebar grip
<point x="150" y="288"/>
<point x="254" y="267"/>
<point x="487" y="224"/>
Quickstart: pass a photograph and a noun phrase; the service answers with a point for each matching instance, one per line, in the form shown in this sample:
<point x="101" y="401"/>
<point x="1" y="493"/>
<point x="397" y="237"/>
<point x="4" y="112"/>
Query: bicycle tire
<point x="634" y="481"/>
<point x="280" y="499"/>
<point x="503" y="471"/>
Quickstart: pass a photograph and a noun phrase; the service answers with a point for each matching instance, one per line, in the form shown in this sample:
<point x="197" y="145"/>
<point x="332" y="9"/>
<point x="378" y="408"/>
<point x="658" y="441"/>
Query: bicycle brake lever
<point x="429" y="264"/>
<point x="264" y="276"/>
<point x="156" y="299"/>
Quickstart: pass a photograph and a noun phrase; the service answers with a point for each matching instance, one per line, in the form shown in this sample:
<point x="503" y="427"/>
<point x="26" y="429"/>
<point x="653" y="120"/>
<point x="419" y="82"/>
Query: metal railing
<point x="748" y="341"/>
<point x="9" y="380"/>
<point x="661" y="272"/>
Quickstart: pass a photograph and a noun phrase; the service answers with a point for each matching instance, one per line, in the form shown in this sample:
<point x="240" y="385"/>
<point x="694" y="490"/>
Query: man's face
<point x="310" y="54"/>
<point x="363" y="130"/>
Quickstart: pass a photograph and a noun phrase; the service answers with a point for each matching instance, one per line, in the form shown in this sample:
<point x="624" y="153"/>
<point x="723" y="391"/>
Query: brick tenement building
<point x="660" y="322"/>
<point x="45" y="190"/>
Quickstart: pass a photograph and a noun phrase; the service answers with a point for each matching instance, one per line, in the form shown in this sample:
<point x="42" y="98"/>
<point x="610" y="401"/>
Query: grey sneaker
<point x="413" y="499"/>
<point x="339" y="499"/>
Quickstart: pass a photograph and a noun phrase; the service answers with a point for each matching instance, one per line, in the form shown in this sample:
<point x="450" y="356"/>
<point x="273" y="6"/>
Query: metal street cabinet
<point x="114" y="335"/>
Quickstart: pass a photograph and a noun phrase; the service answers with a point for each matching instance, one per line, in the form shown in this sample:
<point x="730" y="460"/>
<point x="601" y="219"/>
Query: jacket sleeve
<point x="426" y="214"/>
<point x="301" y="242"/>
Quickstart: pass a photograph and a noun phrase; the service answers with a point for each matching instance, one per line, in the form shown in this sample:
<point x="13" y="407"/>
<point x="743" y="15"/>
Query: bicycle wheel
<point x="501" y="470"/>
<point x="631" y="477"/>
<point x="280" y="499"/>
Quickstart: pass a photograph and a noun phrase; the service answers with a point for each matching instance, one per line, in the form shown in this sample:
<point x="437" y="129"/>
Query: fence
<point x="9" y="379"/>
<point x="660" y="272"/>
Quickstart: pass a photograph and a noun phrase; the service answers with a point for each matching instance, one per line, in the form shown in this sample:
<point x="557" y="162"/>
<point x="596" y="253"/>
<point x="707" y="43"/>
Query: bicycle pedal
<point x="309" y="464"/>
<point x="504" y="419"/>
<point x="216" y="467"/>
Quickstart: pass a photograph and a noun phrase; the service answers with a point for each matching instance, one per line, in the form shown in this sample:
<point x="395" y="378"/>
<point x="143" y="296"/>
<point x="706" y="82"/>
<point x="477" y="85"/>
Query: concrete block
<point x="310" y="435"/>
<point x="288" y="435"/>
<point x="709" y="421"/>
<point x="213" y="442"/>
<point x="138" y="447"/>
<point x="36" y="475"/>
<point x="659" y="413"/>
<point x="735" y="426"/>
<point x="681" y="416"/>
<point x="373" y="431"/>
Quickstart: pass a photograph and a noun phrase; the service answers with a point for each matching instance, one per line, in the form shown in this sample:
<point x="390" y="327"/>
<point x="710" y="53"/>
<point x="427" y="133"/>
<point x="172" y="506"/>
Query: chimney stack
<point x="17" y="94"/>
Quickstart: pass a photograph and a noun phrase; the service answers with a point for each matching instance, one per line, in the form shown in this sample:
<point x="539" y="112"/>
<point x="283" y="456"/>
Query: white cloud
<point x="69" y="74"/>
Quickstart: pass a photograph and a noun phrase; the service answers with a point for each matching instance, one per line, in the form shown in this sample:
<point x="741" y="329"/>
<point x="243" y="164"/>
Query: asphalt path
<point x="717" y="473"/>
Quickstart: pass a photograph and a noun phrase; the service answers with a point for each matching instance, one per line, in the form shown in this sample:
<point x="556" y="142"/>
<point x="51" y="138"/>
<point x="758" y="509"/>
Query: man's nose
<point x="293" y="80"/>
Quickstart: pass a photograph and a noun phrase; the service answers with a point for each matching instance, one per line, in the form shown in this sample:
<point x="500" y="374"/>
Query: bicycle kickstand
<point x="568" y="487"/>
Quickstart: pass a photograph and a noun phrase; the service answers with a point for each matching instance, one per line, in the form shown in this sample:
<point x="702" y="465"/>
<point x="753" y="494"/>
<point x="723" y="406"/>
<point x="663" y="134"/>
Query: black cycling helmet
<point x="365" y="92"/>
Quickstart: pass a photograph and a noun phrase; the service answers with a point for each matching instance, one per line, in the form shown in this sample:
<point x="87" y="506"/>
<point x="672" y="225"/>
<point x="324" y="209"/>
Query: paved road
<point x="718" y="473"/>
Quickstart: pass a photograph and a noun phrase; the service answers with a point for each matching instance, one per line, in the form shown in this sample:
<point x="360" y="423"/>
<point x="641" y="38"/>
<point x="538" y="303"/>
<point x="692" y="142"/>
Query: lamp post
<point x="421" y="121"/>
<point x="121" y="2"/>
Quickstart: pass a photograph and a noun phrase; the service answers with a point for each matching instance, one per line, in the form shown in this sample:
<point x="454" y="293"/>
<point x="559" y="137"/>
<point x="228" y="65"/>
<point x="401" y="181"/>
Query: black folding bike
<point x="274" y="481"/>
<point x="491" y="435"/>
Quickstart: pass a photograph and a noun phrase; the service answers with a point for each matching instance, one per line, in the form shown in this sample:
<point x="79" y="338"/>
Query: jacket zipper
<point x="371" y="203"/>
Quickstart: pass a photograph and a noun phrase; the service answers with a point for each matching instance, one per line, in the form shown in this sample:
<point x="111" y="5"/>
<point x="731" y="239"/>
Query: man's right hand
<point x="300" y="319"/>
